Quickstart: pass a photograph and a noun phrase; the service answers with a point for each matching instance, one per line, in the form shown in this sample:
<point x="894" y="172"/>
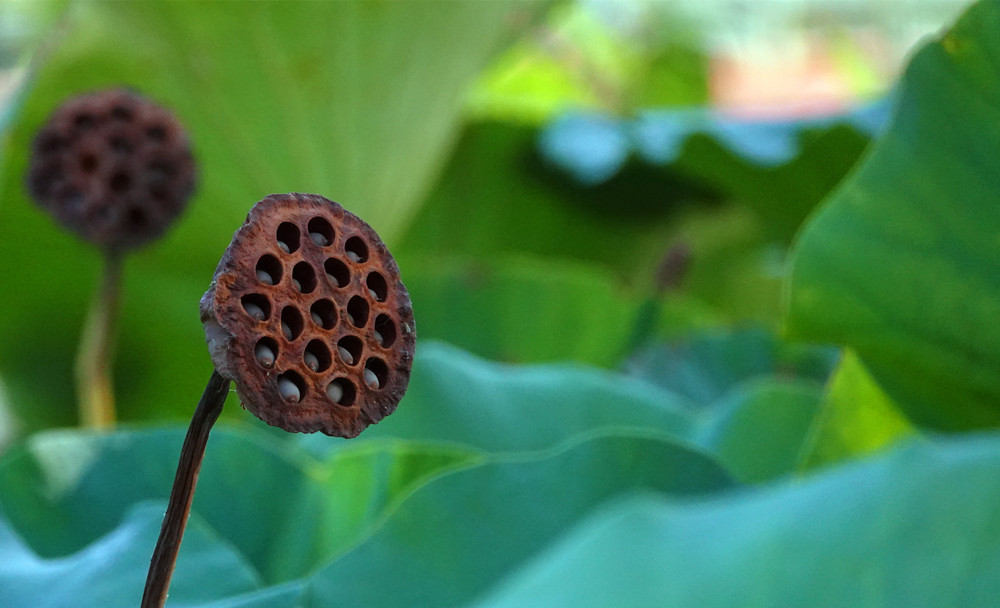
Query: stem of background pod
<point x="97" y="345"/>
<point x="161" y="566"/>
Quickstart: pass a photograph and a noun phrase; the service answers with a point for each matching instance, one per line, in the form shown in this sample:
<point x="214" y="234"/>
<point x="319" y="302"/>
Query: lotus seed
<point x="371" y="379"/>
<point x="346" y="355"/>
<point x="334" y="280"/>
<point x="353" y="256"/>
<point x="316" y="319"/>
<point x="254" y="311"/>
<point x="288" y="390"/>
<point x="311" y="361"/>
<point x="287" y="330"/>
<point x="298" y="285"/>
<point x="378" y="338"/>
<point x="373" y="294"/>
<point x="265" y="356"/>
<point x="319" y="239"/>
<point x="283" y="246"/>
<point x="335" y="392"/>
<point x="264" y="277"/>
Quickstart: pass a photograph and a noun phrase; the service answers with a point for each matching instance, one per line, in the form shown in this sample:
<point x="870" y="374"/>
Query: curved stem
<point x="161" y="566"/>
<point x="97" y="346"/>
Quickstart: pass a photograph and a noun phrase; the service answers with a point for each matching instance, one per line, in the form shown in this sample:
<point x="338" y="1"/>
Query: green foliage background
<point x="763" y="428"/>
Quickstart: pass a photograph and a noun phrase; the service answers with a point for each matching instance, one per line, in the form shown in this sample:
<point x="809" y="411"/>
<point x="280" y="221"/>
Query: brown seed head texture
<point x="307" y="315"/>
<point x="113" y="167"/>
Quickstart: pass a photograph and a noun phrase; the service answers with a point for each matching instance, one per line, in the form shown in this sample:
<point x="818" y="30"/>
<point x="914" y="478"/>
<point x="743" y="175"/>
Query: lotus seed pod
<point x="113" y="167"/>
<point x="307" y="316"/>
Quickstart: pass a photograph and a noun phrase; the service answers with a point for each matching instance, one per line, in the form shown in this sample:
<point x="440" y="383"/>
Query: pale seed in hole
<point x="350" y="318"/>
<point x="316" y="319"/>
<point x="353" y="256"/>
<point x="345" y="355"/>
<point x="371" y="379"/>
<point x="288" y="390"/>
<point x="283" y="246"/>
<point x="335" y="392"/>
<point x="265" y="356"/>
<point x="373" y="294"/>
<point x="287" y="330"/>
<point x="319" y="239"/>
<point x="254" y="311"/>
<point x="378" y="337"/>
<point x="298" y="285"/>
<point x="334" y="280"/>
<point x="311" y="361"/>
<point x="264" y="277"/>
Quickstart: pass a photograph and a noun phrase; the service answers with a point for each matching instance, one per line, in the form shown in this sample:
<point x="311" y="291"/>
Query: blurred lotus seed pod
<point x="307" y="315"/>
<point x="113" y="167"/>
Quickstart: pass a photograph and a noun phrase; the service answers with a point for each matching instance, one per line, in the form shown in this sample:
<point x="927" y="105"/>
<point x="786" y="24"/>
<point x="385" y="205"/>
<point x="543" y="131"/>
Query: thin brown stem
<point x="97" y="349"/>
<point x="161" y="566"/>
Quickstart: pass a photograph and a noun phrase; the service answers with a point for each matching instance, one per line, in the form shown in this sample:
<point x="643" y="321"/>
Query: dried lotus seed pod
<point x="307" y="316"/>
<point x="112" y="166"/>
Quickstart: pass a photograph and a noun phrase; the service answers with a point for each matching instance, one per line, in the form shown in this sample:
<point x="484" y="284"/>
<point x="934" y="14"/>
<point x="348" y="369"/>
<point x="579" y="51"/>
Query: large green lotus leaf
<point x="283" y="510"/>
<point x="111" y="570"/>
<point x="465" y="532"/>
<point x="914" y="527"/>
<point x="760" y="430"/>
<point x="901" y="263"/>
<point x="267" y="513"/>
<point x="457" y="398"/>
<point x="356" y="101"/>
<point x="761" y="405"/>
<point x="856" y="418"/>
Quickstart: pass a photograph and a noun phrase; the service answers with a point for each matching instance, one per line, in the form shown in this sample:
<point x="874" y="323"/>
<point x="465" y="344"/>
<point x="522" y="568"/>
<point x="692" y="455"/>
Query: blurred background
<point x="596" y="175"/>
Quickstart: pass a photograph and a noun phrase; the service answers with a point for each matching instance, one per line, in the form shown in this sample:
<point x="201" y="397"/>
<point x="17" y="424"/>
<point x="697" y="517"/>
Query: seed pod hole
<point x="288" y="237"/>
<point x="49" y="143"/>
<point x="88" y="163"/>
<point x="341" y="392"/>
<point x="257" y="306"/>
<point x="376" y="373"/>
<point x="120" y="182"/>
<point x="304" y="277"/>
<point x="157" y="133"/>
<point x="349" y="349"/>
<point x="268" y="270"/>
<point x="121" y="113"/>
<point x="317" y="356"/>
<point x="84" y="122"/>
<point x="159" y="171"/>
<point x="136" y="217"/>
<point x="385" y="331"/>
<point x="320" y="232"/>
<point x="357" y="311"/>
<point x="323" y="313"/>
<point x="337" y="272"/>
<point x="376" y="286"/>
<point x="356" y="249"/>
<point x="291" y="322"/>
<point x="159" y="193"/>
<point x="291" y="387"/>
<point x="266" y="352"/>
